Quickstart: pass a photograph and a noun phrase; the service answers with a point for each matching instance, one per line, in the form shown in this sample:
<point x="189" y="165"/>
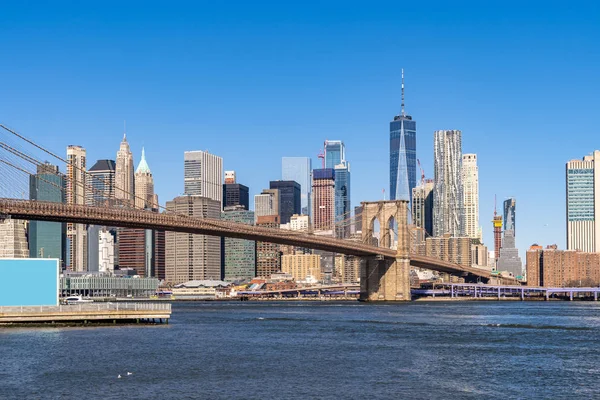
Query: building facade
<point x="48" y="239"/>
<point x="583" y="203"/>
<point x="77" y="185"/>
<point x="124" y="179"/>
<point x="203" y="175"/>
<point x="106" y="252"/>
<point x="13" y="239"/>
<point x="422" y="206"/>
<point x="551" y="267"/>
<point x="239" y="255"/>
<point x="343" y="210"/>
<point x="101" y="183"/>
<point x="302" y="266"/>
<point x="298" y="169"/>
<point x="403" y="154"/>
<point x="268" y="255"/>
<point x="448" y="210"/>
<point x="235" y="194"/>
<point x="145" y="198"/>
<point x="323" y="200"/>
<point x="265" y="204"/>
<point x="188" y="256"/>
<point x="470" y="181"/>
<point x="510" y="208"/>
<point x="289" y="199"/>
<point x="448" y="248"/>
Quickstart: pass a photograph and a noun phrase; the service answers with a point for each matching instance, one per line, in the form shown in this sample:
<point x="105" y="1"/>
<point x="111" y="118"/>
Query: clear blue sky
<point x="256" y="81"/>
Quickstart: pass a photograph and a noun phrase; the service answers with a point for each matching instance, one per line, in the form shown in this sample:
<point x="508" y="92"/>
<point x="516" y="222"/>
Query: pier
<point x="87" y="313"/>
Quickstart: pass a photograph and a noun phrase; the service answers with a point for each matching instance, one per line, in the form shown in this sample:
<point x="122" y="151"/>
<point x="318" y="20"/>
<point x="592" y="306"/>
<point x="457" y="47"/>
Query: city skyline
<point x="81" y="97"/>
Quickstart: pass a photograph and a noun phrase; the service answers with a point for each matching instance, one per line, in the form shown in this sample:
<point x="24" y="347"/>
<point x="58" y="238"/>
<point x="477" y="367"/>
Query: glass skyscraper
<point x="403" y="154"/>
<point x="102" y="183"/>
<point x="335" y="153"/>
<point x="47" y="239"/>
<point x="289" y="199"/>
<point x="509" y="214"/>
<point x="299" y="169"/>
<point x="343" y="219"/>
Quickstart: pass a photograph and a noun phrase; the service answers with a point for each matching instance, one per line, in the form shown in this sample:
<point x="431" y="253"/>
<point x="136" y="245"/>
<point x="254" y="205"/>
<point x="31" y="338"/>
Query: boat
<point x="76" y="300"/>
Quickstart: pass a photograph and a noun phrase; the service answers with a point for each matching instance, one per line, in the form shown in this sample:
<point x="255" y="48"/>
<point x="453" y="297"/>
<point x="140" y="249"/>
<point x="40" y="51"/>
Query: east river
<point x="309" y="350"/>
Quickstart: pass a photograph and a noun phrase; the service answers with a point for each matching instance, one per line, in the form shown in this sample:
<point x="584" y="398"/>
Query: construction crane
<point x="422" y="173"/>
<point x="321" y="154"/>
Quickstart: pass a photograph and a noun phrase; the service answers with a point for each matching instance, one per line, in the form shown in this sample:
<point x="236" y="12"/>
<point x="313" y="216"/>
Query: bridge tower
<point x="384" y="279"/>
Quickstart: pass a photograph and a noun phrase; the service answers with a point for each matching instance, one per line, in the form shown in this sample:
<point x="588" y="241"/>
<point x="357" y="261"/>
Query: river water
<point x="307" y="350"/>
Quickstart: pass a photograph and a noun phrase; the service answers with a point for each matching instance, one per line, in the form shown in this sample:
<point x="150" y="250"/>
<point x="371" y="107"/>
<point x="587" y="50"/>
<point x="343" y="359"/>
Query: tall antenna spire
<point x="403" y="113"/>
<point x="124" y="129"/>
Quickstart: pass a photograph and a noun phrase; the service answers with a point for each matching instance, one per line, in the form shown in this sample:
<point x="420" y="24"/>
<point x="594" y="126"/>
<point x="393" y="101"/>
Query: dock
<point x="86" y="313"/>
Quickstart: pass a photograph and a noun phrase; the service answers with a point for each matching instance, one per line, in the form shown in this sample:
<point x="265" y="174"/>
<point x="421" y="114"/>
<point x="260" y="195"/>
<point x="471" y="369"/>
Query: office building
<point x="268" y="255"/>
<point x="13" y="239"/>
<point x="351" y="269"/>
<point x="48" y="239"/>
<point x="480" y="256"/>
<point x="551" y="267"/>
<point x="323" y="200"/>
<point x="358" y="219"/>
<point x="76" y="193"/>
<point x="265" y="204"/>
<point x="510" y="206"/>
<point x="145" y="198"/>
<point x="448" y="211"/>
<point x="124" y="179"/>
<point x="470" y="181"/>
<point x="422" y="206"/>
<point x="101" y="183"/>
<point x="583" y="203"/>
<point x="189" y="256"/>
<point x="456" y="250"/>
<point x="142" y="250"/>
<point x="298" y="169"/>
<point x="235" y="194"/>
<point x="508" y="259"/>
<point x="302" y="267"/>
<point x="203" y="175"/>
<point x="289" y="199"/>
<point x="403" y="154"/>
<point x="93" y="252"/>
<point x="343" y="210"/>
<point x="230" y="177"/>
<point x="239" y="255"/>
<point x="300" y="223"/>
<point x="335" y="153"/>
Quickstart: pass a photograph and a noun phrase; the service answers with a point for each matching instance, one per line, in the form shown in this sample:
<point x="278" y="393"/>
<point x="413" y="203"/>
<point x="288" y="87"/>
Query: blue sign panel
<point x="29" y="282"/>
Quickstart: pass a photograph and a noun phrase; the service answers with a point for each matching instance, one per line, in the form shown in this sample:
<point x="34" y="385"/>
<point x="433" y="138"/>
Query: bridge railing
<point x="87" y="307"/>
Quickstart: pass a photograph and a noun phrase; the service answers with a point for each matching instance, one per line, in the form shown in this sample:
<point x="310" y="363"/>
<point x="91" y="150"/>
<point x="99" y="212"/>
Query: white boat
<point x="77" y="300"/>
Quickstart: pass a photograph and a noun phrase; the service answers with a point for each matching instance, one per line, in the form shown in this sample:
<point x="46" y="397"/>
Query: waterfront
<point x="255" y="350"/>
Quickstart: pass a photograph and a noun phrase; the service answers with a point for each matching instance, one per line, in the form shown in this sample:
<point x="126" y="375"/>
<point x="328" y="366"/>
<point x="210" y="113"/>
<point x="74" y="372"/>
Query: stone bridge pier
<point x="384" y="279"/>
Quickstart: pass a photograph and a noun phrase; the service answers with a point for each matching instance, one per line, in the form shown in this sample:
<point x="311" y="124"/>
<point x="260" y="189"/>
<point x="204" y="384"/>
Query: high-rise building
<point x="13" y="239"/>
<point x="203" y="175"/>
<point x="508" y="259"/>
<point x="447" y="248"/>
<point x="300" y="223"/>
<point x="551" y="267"/>
<point x="235" y="194"/>
<point x="145" y="198"/>
<point x="142" y="250"/>
<point x="76" y="194"/>
<point x="93" y="246"/>
<point x="265" y="204"/>
<point x="422" y="206"/>
<point x="189" y="256"/>
<point x="101" y="183"/>
<point x="48" y="239"/>
<point x="470" y="181"/>
<point x="106" y="252"/>
<point x="298" y="169"/>
<point x="343" y="210"/>
<point x="239" y="255"/>
<point x="323" y="200"/>
<point x="335" y="153"/>
<point x="403" y="154"/>
<point x="302" y="266"/>
<point x="268" y="255"/>
<point x="583" y="203"/>
<point x="448" y="210"/>
<point x="510" y="206"/>
<point x="124" y="179"/>
<point x="230" y="177"/>
<point x="358" y="219"/>
<point x="289" y="199"/>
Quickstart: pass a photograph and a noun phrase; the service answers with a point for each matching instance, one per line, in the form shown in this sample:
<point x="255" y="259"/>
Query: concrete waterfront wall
<point x="29" y="282"/>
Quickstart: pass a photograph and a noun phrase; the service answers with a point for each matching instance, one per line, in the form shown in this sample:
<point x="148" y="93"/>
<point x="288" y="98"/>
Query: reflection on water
<point x="252" y="350"/>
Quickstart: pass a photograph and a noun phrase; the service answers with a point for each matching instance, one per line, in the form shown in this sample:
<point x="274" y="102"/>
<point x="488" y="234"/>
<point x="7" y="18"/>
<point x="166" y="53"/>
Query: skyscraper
<point x="403" y="154"/>
<point x="343" y="211"/>
<point x="239" y="255"/>
<point x="289" y="199"/>
<point x="448" y="211"/>
<point x="299" y="169"/>
<point x="335" y="153"/>
<point x="189" y="256"/>
<point x="124" y="179"/>
<point x="422" y="206"/>
<point x="510" y="206"/>
<point x="235" y="194"/>
<point x="264" y="204"/>
<point x="268" y="255"/>
<point x="203" y="175"/>
<point x="101" y="183"/>
<point x="583" y="203"/>
<point x="323" y="200"/>
<point x="144" y="186"/>
<point x="76" y="194"/>
<point x="508" y="257"/>
<point x="47" y="239"/>
<point x="470" y="180"/>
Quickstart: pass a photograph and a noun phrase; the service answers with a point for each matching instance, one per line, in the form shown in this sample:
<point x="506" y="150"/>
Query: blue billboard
<point x="29" y="282"/>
